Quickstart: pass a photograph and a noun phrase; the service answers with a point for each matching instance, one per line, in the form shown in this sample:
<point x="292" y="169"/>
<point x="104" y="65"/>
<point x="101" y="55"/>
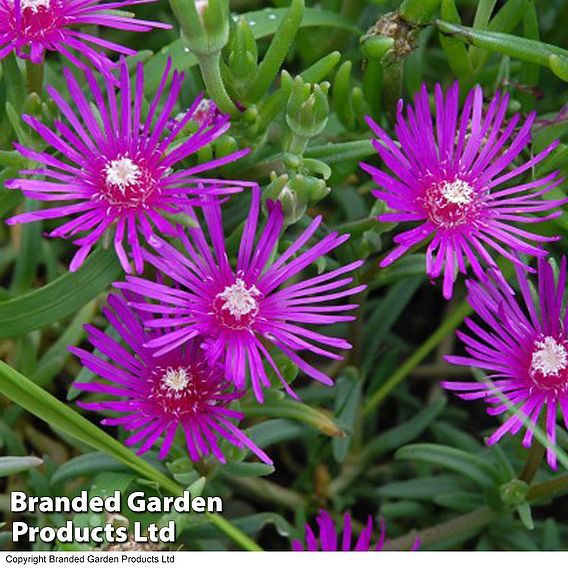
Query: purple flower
<point x="32" y="27"/>
<point x="330" y="541"/>
<point x="157" y="396"/>
<point x="116" y="172"/>
<point x="244" y="313"/>
<point x="451" y="177"/>
<point x="524" y="345"/>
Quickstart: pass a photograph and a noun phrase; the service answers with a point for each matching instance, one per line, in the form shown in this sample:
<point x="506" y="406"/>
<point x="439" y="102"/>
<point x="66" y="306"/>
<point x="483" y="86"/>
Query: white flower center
<point x="34" y="5"/>
<point x="550" y="357"/>
<point x="122" y="173"/>
<point x="458" y="192"/>
<point x="175" y="380"/>
<point x="239" y="300"/>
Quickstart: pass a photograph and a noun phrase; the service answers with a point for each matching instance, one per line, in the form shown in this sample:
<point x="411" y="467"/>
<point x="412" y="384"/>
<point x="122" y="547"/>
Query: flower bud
<point x="225" y="146"/>
<point x="318" y="189"/>
<point x="280" y="190"/>
<point x="204" y="24"/>
<point x="291" y="207"/>
<point x="32" y="105"/>
<point x="276" y="185"/>
<point x="310" y="189"/>
<point x="308" y="108"/>
<point x="243" y="54"/>
<point x="514" y="492"/>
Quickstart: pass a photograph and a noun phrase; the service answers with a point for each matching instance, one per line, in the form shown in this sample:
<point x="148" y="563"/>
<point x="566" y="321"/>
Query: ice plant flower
<point x="329" y="539"/>
<point x="155" y="397"/>
<point x="116" y="172"/>
<point x="523" y="344"/>
<point x="454" y="178"/>
<point x="31" y="27"/>
<point x="240" y="312"/>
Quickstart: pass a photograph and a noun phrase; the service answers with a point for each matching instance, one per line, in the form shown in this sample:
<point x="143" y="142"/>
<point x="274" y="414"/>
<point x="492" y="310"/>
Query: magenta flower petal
<point x="31" y="27"/>
<point x="155" y="397"/>
<point x="329" y="539"/>
<point x="523" y="344"/>
<point x="116" y="171"/>
<point x="242" y="313"/>
<point x="447" y="175"/>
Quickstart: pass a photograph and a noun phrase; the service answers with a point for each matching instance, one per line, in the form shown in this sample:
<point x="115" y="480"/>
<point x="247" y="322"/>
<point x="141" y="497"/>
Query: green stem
<point x="454" y="320"/>
<point x="34" y="74"/>
<point x="475" y="519"/>
<point x="393" y="82"/>
<point x="548" y="488"/>
<point x="465" y="523"/>
<point x="297" y="144"/>
<point x="341" y="152"/>
<point x="13" y="81"/>
<point x="534" y="459"/>
<point x="211" y="72"/>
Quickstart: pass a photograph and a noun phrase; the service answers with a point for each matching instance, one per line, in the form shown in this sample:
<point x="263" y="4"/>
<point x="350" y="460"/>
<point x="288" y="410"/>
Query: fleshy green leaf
<point x="404" y="433"/>
<point x="90" y="464"/>
<point x="61" y="298"/>
<point x="347" y="404"/>
<point x="472" y="466"/>
<point x="512" y="45"/>
<point x="266" y="23"/>
<point x="297" y="411"/>
<point x="9" y="465"/>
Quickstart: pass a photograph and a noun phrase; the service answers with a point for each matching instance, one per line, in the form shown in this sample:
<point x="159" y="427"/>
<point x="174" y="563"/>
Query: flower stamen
<point x="458" y="192"/>
<point x="35" y="5"/>
<point x="451" y="204"/>
<point x="175" y="381"/>
<point x="550" y="357"/>
<point x="239" y="300"/>
<point x="122" y="173"/>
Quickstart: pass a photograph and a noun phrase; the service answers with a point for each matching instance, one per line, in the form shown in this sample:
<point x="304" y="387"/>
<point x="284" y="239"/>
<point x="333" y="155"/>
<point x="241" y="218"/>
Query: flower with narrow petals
<point x="31" y="27"/>
<point x="329" y="539"/>
<point x="524" y="345"/>
<point x="155" y="397"/>
<point x="116" y="171"/>
<point x="453" y="177"/>
<point x="240" y="312"/>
